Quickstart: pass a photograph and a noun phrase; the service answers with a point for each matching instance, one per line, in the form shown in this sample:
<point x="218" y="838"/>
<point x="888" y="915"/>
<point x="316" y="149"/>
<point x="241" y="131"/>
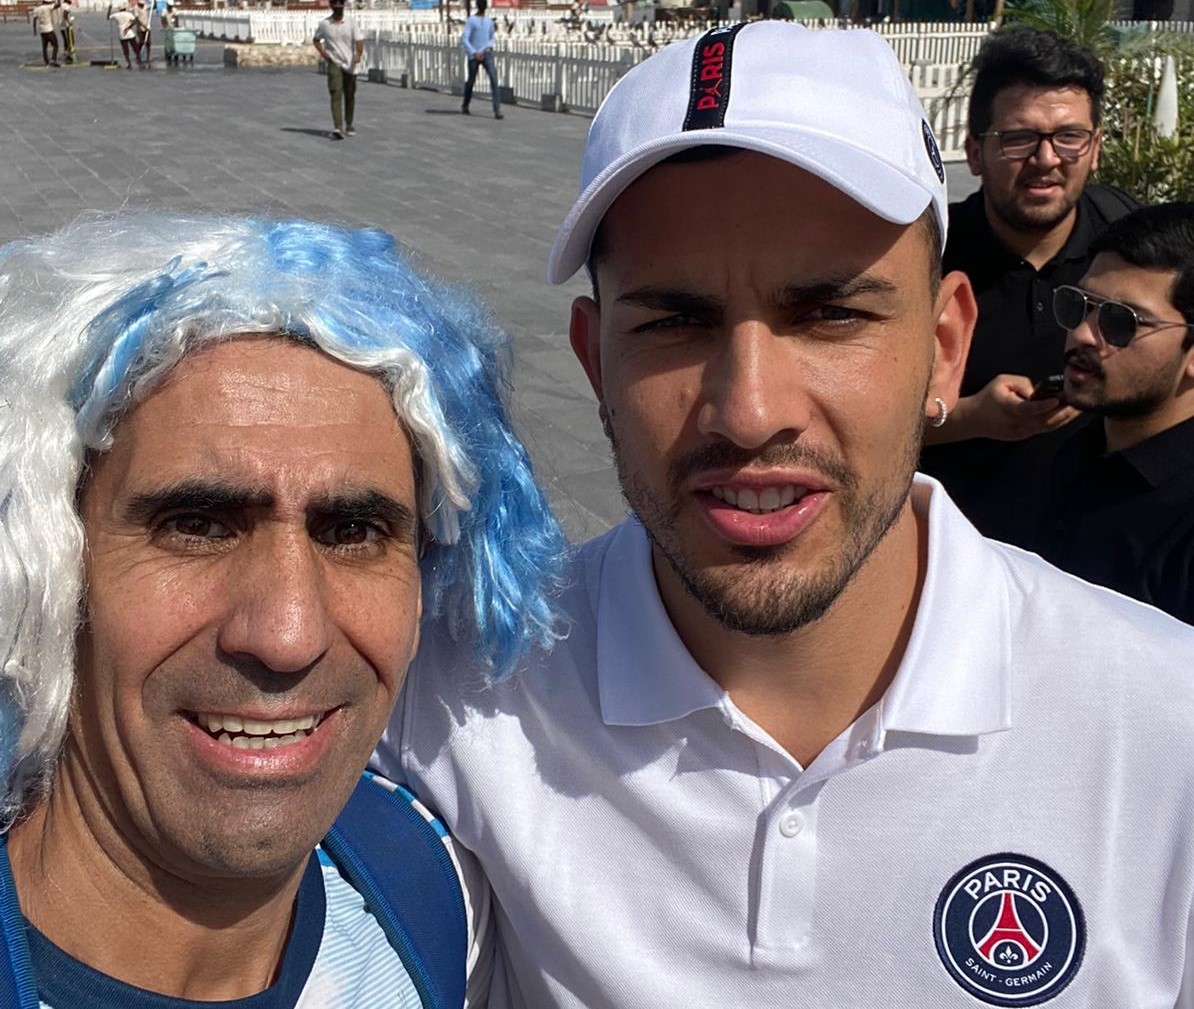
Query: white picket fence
<point x="542" y="60"/>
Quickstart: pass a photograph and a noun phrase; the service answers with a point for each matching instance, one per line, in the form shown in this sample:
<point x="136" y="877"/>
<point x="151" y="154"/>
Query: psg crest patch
<point x="926" y="132"/>
<point x="1009" y="930"/>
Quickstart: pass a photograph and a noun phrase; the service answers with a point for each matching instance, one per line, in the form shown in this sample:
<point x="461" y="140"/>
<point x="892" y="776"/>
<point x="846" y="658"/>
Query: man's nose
<point x="1086" y="333"/>
<point x="752" y="389"/>
<point x="278" y="611"/>
<point x="1045" y="155"/>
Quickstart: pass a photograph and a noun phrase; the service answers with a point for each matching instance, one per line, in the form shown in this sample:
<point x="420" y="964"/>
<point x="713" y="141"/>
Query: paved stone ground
<point x="473" y="199"/>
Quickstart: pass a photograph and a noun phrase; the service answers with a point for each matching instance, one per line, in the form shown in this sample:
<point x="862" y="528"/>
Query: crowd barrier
<point x="544" y="61"/>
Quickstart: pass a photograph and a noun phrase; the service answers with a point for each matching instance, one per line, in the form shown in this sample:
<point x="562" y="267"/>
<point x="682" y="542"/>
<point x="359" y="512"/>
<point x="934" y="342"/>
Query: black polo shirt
<point x="1000" y="485"/>
<point x="1126" y="519"/>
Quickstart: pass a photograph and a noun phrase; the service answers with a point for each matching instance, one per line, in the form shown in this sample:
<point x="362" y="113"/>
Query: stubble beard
<point x="757" y="596"/>
<point x="1139" y="402"/>
<point x="1034" y="219"/>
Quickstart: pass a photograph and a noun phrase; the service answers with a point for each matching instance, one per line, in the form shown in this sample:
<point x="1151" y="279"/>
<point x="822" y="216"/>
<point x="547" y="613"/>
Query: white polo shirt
<point x="1012" y="824"/>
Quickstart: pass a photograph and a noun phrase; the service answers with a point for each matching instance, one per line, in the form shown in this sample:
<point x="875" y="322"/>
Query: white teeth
<point x="262" y="742"/>
<point x="758" y="502"/>
<point x="232" y="723"/>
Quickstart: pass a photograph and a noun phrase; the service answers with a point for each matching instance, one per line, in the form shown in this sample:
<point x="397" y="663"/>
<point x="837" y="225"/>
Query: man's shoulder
<point x="1084" y="638"/>
<point x="968" y="231"/>
<point x="1107" y="203"/>
<point x="447" y="688"/>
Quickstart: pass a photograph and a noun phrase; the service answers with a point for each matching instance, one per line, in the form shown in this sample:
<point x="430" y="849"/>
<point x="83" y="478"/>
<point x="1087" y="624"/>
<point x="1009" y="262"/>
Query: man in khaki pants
<point x="342" y="45"/>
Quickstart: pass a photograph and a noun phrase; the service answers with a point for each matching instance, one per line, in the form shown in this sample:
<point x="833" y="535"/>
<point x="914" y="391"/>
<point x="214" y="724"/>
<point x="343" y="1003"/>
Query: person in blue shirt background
<point x="477" y="40"/>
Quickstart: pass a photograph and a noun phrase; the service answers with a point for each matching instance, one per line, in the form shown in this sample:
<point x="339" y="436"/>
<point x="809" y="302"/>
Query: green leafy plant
<point x="1135" y="157"/>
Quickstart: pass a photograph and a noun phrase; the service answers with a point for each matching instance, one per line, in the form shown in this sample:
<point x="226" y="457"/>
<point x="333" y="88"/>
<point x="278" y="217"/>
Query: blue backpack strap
<point x="398" y="861"/>
<point x="18" y="987"/>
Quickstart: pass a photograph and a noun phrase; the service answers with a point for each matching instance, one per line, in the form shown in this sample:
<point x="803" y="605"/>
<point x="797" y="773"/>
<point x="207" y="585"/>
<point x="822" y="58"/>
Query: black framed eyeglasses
<point x="1115" y="322"/>
<point x="1069" y="144"/>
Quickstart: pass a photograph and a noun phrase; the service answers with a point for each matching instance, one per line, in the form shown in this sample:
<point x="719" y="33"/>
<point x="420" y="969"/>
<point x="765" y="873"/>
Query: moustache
<point x="724" y="455"/>
<point x="1086" y="360"/>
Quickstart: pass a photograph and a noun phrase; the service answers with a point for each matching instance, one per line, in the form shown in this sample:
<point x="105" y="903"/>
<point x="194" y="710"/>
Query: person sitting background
<point x="238" y="458"/>
<point x="1121" y="506"/>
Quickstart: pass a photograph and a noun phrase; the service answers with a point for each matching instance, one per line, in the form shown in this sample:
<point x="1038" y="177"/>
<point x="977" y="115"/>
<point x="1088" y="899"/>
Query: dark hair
<point x="715" y="152"/>
<point x="1158" y="238"/>
<point x="1034" y="57"/>
<point x="481" y="5"/>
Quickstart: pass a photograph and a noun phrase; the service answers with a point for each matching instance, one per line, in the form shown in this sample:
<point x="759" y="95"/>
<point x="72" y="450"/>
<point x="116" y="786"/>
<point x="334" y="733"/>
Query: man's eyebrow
<point x="195" y="495"/>
<point x="670" y="299"/>
<point x="818" y="290"/>
<point x="815" y="290"/>
<point x="371" y="504"/>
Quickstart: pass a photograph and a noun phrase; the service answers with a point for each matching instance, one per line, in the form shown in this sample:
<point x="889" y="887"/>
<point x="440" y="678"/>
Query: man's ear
<point x="956" y="313"/>
<point x="974" y="155"/>
<point x="584" y="333"/>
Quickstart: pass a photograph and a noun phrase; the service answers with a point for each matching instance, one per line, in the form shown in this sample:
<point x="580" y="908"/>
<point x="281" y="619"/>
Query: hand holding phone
<point x="1049" y="388"/>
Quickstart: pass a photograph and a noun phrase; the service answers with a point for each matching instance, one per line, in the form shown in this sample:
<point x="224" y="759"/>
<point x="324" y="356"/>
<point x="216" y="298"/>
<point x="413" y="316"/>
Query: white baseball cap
<point x="836" y="103"/>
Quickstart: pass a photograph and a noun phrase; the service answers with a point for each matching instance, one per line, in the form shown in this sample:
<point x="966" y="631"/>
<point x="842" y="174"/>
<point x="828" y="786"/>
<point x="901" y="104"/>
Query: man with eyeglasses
<point x="1033" y="140"/>
<point x="1121" y="510"/>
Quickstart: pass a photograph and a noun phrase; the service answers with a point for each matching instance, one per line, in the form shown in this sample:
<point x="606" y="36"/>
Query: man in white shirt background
<point x="341" y="44"/>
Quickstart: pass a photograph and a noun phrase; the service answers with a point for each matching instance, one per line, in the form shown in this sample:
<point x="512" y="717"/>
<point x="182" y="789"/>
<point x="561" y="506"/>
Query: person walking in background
<point x="44" y="15"/>
<point x="341" y="44"/>
<point x="477" y="40"/>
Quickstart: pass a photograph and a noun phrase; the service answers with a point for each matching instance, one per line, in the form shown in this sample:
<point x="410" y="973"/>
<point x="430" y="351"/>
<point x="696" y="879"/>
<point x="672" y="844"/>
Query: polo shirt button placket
<point x="791" y="824"/>
<point x="787" y="894"/>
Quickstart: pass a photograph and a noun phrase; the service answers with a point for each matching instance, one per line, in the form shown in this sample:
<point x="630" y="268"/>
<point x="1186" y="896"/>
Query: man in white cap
<point x="811" y="739"/>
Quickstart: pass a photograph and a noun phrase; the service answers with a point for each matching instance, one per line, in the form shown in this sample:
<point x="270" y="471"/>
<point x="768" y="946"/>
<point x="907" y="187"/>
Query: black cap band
<point x="709" y="89"/>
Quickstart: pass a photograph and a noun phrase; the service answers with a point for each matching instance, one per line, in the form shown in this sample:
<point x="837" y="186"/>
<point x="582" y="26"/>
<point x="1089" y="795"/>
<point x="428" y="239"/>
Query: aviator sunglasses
<point x="1115" y="322"/>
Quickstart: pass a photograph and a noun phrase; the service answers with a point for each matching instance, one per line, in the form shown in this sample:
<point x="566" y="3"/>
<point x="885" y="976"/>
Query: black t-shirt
<point x="999" y="485"/>
<point x="1126" y="519"/>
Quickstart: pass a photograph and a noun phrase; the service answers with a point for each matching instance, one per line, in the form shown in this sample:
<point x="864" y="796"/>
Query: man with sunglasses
<point x="1121" y="510"/>
<point x="1033" y="140"/>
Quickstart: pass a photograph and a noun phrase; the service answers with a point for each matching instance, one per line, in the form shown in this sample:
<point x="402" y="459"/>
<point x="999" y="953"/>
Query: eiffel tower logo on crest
<point x="1008" y="943"/>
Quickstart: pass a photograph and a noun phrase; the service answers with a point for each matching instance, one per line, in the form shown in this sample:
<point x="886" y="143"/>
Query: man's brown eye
<point x="351" y="532"/>
<point x="199" y="526"/>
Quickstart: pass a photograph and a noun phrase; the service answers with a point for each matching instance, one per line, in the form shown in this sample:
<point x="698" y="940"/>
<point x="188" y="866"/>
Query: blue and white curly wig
<point x="92" y="318"/>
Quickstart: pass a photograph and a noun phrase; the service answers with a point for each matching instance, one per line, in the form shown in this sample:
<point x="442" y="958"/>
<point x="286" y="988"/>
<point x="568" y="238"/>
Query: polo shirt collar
<point x="645" y="674"/>
<point x="953" y="680"/>
<point x="987" y="246"/>
<point x="1164" y="456"/>
<point x="1077" y="246"/>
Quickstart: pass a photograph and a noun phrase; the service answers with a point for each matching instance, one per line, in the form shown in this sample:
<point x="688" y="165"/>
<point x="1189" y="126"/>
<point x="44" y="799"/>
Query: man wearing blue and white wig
<point x="239" y="460"/>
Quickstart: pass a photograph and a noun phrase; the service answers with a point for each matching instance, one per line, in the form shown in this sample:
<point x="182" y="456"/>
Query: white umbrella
<point x="1165" y="117"/>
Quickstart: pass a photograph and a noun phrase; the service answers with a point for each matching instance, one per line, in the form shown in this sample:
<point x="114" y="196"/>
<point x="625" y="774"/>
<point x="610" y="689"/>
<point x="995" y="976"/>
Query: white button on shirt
<point x="650" y="846"/>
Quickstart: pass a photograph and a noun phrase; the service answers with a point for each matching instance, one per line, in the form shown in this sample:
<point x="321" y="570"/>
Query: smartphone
<point x="1049" y="388"/>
